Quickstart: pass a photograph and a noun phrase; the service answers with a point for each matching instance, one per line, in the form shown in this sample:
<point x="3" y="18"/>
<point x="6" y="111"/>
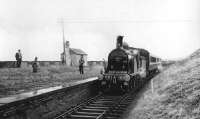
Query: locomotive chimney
<point x="119" y="42"/>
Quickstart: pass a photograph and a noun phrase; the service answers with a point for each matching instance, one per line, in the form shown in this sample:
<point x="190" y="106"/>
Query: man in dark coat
<point x="81" y="63"/>
<point x="18" y="57"/>
<point x="35" y="65"/>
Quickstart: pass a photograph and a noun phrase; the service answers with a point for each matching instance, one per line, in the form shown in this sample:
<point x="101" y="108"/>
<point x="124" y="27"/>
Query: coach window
<point x="132" y="65"/>
<point x="153" y="59"/>
<point x="138" y="64"/>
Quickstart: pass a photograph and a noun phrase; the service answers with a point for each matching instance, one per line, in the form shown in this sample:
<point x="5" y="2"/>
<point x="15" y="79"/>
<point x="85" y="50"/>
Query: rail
<point x="99" y="107"/>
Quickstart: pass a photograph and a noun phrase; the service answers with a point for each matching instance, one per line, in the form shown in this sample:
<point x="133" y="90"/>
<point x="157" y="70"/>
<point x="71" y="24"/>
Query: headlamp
<point x="127" y="77"/>
<point x="100" y="77"/>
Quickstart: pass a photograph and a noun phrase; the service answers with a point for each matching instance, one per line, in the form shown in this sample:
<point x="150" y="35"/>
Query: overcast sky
<point x="169" y="29"/>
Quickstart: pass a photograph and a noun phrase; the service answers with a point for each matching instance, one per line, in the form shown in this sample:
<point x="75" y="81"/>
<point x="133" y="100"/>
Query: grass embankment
<point x="18" y="80"/>
<point x="176" y="93"/>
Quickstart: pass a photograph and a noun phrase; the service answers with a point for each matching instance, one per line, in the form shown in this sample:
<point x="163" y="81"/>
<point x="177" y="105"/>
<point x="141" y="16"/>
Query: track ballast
<point x="100" y="107"/>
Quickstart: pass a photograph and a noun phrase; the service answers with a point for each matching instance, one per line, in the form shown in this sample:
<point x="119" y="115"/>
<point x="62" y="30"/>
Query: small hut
<point x="76" y="55"/>
<point x="72" y="56"/>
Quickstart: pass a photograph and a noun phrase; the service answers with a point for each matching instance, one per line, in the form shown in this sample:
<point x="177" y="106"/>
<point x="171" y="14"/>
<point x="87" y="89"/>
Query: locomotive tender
<point x="128" y="67"/>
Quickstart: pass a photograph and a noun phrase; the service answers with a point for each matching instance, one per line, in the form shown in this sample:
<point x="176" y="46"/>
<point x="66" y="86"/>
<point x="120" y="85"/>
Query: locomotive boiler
<point x="127" y="67"/>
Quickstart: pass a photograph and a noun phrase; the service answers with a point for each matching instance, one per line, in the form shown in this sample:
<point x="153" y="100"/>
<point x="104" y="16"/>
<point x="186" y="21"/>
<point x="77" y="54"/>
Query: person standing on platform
<point x="18" y="57"/>
<point x="104" y="65"/>
<point x="62" y="58"/>
<point x="81" y="63"/>
<point x="35" y="65"/>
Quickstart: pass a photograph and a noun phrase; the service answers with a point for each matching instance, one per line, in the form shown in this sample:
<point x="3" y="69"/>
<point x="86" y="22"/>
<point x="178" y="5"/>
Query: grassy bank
<point x="176" y="93"/>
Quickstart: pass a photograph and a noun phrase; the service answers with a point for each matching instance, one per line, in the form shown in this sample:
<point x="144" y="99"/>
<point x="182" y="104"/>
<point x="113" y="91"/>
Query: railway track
<point x="103" y="106"/>
<point x="100" y="107"/>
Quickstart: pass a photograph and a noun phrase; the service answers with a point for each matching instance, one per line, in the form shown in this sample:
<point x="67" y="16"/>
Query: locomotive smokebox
<point x="119" y="42"/>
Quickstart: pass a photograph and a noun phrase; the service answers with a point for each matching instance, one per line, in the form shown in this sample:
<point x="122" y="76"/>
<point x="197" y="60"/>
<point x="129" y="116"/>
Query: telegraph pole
<point x="63" y="34"/>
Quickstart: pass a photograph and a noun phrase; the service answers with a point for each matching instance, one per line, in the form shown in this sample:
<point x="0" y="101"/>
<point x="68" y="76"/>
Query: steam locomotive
<point x="128" y="67"/>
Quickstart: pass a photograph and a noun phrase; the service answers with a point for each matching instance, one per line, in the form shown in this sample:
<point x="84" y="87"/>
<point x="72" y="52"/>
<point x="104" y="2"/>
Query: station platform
<point x="30" y="94"/>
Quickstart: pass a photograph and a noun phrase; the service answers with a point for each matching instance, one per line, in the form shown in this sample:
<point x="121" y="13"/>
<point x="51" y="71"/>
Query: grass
<point x="176" y="93"/>
<point x="18" y="80"/>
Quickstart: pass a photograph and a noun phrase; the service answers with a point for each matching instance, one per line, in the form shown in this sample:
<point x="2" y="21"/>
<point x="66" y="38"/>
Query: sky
<point x="169" y="29"/>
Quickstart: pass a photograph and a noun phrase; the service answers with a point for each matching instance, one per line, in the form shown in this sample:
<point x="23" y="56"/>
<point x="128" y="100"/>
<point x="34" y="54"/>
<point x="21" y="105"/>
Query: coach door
<point x="144" y="63"/>
<point x="135" y="65"/>
<point x="143" y="67"/>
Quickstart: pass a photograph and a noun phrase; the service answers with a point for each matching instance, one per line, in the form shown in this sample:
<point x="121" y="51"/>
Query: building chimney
<point x="119" y="42"/>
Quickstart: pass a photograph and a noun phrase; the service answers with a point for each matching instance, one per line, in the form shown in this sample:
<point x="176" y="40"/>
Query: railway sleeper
<point x="82" y="117"/>
<point x="96" y="107"/>
<point x="104" y="99"/>
<point x="97" y="104"/>
<point x="104" y="103"/>
<point x="93" y="110"/>
<point x="87" y="113"/>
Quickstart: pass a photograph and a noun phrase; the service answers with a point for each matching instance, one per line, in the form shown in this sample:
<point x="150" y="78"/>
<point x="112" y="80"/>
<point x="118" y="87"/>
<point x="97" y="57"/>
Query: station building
<point x="72" y="56"/>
